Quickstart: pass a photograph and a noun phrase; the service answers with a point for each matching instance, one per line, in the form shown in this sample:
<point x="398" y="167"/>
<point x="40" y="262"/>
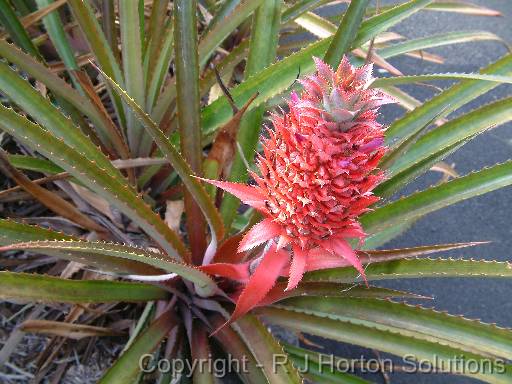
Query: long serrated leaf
<point x="158" y="65"/>
<point x="131" y="47"/>
<point x="320" y="289"/>
<point x="446" y="102"/>
<point x="41" y="110"/>
<point x="262" y="52"/>
<point x="396" y="80"/>
<point x="87" y="249"/>
<point x="127" y="367"/>
<point x="265" y="348"/>
<point x="224" y="27"/>
<point x="416" y="268"/>
<point x="84" y="15"/>
<point x="117" y="193"/>
<point x="453" y="132"/>
<point x="386" y="341"/>
<point x="13" y="25"/>
<point x="414" y="321"/>
<point x="280" y="76"/>
<point x="14" y="232"/>
<point x="177" y="162"/>
<point x="346" y="33"/>
<point x="432" y="199"/>
<point x="438" y="40"/>
<point x="400" y="179"/>
<point x="233" y="343"/>
<point x="58" y="86"/>
<point x="48" y="289"/>
<point x="55" y="30"/>
<point x="310" y="362"/>
<point x="188" y="111"/>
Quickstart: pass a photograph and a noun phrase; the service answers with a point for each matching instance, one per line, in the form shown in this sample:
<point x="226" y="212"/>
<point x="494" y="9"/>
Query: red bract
<point x="317" y="173"/>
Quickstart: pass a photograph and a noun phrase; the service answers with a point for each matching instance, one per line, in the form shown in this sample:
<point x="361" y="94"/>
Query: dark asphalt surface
<point x="488" y="217"/>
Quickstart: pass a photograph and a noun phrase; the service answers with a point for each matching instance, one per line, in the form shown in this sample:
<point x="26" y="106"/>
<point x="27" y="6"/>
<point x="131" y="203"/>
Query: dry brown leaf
<point x="173" y="212"/>
<point x="67" y="330"/>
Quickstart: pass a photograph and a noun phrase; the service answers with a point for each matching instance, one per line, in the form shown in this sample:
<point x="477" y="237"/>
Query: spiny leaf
<point x="436" y="41"/>
<point x="396" y="80"/>
<point x="126" y="368"/>
<point x="278" y="77"/>
<point x="434" y="198"/>
<point x="99" y="45"/>
<point x="41" y="110"/>
<point x="119" y="194"/>
<point x="310" y="363"/>
<point x="131" y="46"/>
<point x="416" y="268"/>
<point x="265" y="348"/>
<point x="222" y="29"/>
<point x="370" y="337"/>
<point x="14" y="232"/>
<point x="453" y="132"/>
<point x="13" y="25"/>
<point x="188" y="117"/>
<point x="408" y="320"/>
<point x="178" y="163"/>
<point x="49" y="289"/>
<point x="86" y="249"/>
<point x="346" y="33"/>
<point x="446" y="102"/>
<point x="57" y="85"/>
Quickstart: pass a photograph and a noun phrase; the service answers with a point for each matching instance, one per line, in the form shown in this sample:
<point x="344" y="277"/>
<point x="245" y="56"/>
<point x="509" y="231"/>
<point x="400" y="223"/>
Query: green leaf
<point x="265" y="348"/>
<point x="177" y="162"/>
<point x="87" y="250"/>
<point x="158" y="64"/>
<point x="346" y="33"/>
<point x="47" y="289"/>
<point x="382" y="237"/>
<point x="234" y="344"/>
<point x="454" y="132"/>
<point x="224" y="27"/>
<point x="446" y="102"/>
<point x="53" y="26"/>
<point x="127" y="367"/>
<point x="188" y="113"/>
<point x="58" y="86"/>
<point x="400" y="179"/>
<point x="117" y="193"/>
<point x="14" y="232"/>
<point x="312" y="362"/>
<point x="413" y="321"/>
<point x="35" y="164"/>
<point x="369" y="337"/>
<point x="396" y="80"/>
<point x="51" y="118"/>
<point x="262" y="52"/>
<point x="434" y="198"/>
<point x="131" y="47"/>
<point x="438" y="40"/>
<point x="299" y="8"/>
<point x="280" y="76"/>
<point x="415" y="268"/>
<point x="100" y="47"/>
<point x="18" y="34"/>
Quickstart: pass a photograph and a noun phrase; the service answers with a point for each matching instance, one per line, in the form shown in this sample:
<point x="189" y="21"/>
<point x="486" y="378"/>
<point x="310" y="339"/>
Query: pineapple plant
<point x="131" y="131"/>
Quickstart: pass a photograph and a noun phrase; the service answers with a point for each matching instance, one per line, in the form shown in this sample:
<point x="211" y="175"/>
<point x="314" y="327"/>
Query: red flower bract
<point x="318" y="169"/>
